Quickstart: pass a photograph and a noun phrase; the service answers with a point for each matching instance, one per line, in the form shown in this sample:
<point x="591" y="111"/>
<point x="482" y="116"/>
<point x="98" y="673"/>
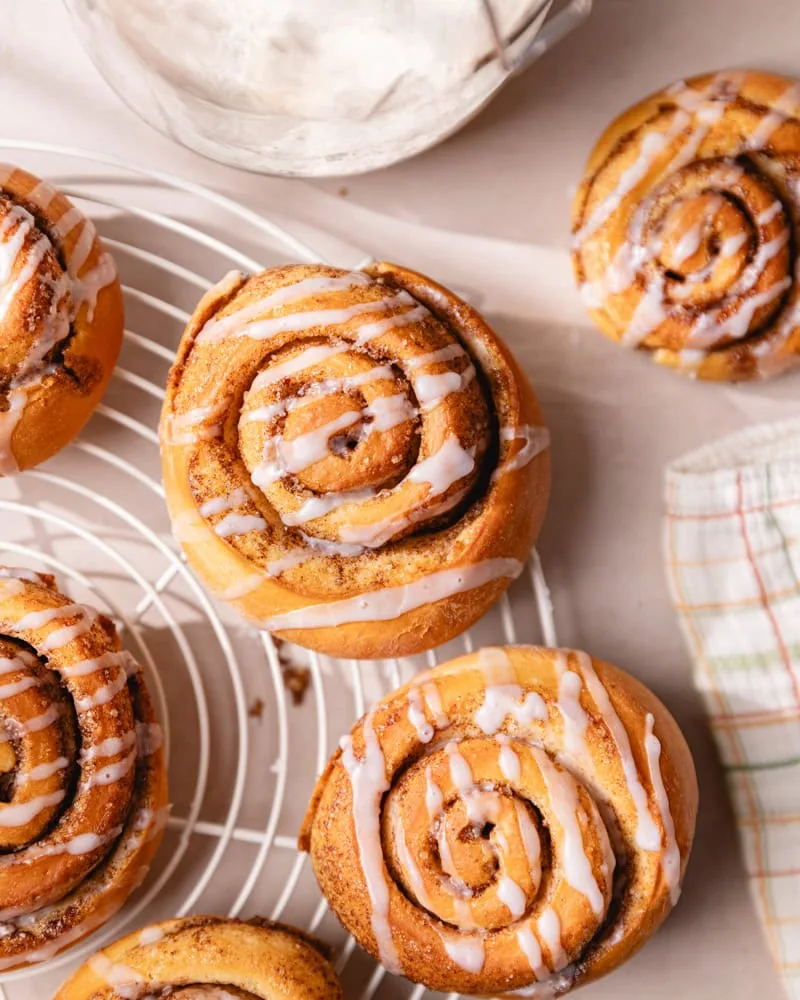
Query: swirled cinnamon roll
<point x="207" y="958"/>
<point x="82" y="771"/>
<point x="354" y="460"/>
<point x="60" y="320"/>
<point x="518" y="819"/>
<point x="685" y="226"/>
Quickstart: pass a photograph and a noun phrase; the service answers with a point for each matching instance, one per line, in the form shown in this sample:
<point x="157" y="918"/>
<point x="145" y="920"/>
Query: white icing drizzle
<point x="512" y="895"/>
<point x="433" y="703"/>
<point x="239" y="524"/>
<point x="293" y="366"/>
<point x="103" y="695"/>
<point x="573" y="716"/>
<point x="387" y="412"/>
<point x="433" y="795"/>
<point x="126" y="982"/>
<point x="40" y="722"/>
<point x="392" y="602"/>
<point x="198" y="424"/>
<point x="563" y="798"/>
<point x="530" y="840"/>
<point x="509" y="760"/>
<point x="416" y="716"/>
<point x="219" y="328"/>
<point x="24" y="684"/>
<point x="42" y="771"/>
<point x="501" y="701"/>
<point x="784" y="106"/>
<point x="106" y="661"/>
<point x="406" y="858"/>
<point x="21" y="813"/>
<point x="282" y="456"/>
<point x="371" y="331"/>
<point x="432" y="390"/>
<point x="369" y="782"/>
<point x="532" y="950"/>
<point x="549" y="928"/>
<point x="688" y="245"/>
<point x="110" y="773"/>
<point x="110" y="747"/>
<point x="8" y="422"/>
<point x="320" y="506"/>
<point x="150" y="935"/>
<point x="670" y="854"/>
<point x="444" y="468"/>
<point x="653" y="144"/>
<point x="648" y="836"/>
<point x="218" y="505"/>
<point x="536" y="440"/>
<point x="732" y="244"/>
<point x="466" y="950"/>
<point x="61" y="636"/>
<point x="265" y="329"/>
<point x="765" y="217"/>
<point x="449" y="353"/>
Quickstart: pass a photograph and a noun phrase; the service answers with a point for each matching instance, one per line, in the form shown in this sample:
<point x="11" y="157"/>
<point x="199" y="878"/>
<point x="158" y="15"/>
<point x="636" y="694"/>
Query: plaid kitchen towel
<point x="732" y="547"/>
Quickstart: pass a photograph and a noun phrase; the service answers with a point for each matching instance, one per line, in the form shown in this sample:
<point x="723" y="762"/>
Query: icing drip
<point x="416" y="716"/>
<point x="648" y="837"/>
<point x="432" y="390"/>
<point x="265" y="329"/>
<point x="670" y="854"/>
<point x="392" y="602"/>
<point x="564" y="799"/>
<point x="219" y="328"/>
<point x="368" y="781"/>
<point x="573" y="716"/>
<point x="19" y="814"/>
<point x="535" y="441"/>
<point x="198" y="424"/>
<point x="467" y="951"/>
<point x="532" y="950"/>
<point x="509" y="761"/>
<point x="549" y="927"/>
<point x="125" y="982"/>
<point x="61" y="636"/>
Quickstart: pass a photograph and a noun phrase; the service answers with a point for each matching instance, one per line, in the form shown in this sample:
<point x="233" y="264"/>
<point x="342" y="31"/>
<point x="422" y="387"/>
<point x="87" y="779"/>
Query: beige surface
<point x="616" y="420"/>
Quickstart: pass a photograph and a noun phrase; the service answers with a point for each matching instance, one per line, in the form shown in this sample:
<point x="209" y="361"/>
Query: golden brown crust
<point x="502" y="819"/>
<point x="61" y="320"/>
<point x="685" y="226"/>
<point x="426" y="495"/>
<point x="87" y="773"/>
<point x="256" y="960"/>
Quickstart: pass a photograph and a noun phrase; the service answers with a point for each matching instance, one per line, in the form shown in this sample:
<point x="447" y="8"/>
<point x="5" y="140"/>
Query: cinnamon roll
<point x="354" y="460"/>
<point x="82" y="771"/>
<point x="207" y="958"/>
<point x="516" y="819"/>
<point x="60" y="320"/>
<point x="685" y="227"/>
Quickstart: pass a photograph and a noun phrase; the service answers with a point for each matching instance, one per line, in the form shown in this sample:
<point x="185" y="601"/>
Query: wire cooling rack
<point x="245" y="744"/>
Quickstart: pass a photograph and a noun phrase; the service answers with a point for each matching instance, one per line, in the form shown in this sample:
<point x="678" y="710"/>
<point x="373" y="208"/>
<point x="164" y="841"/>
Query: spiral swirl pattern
<point x="341" y="449"/>
<point x="685" y="227"/>
<point x="60" y="319"/>
<point x="516" y="819"/>
<point x="82" y="773"/>
<point x="207" y="958"/>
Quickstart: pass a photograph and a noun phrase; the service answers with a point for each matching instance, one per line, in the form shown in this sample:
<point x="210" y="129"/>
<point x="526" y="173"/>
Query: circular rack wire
<point x="245" y="740"/>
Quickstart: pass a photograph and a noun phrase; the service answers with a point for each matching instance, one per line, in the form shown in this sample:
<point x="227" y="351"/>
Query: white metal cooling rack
<point x="242" y="757"/>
